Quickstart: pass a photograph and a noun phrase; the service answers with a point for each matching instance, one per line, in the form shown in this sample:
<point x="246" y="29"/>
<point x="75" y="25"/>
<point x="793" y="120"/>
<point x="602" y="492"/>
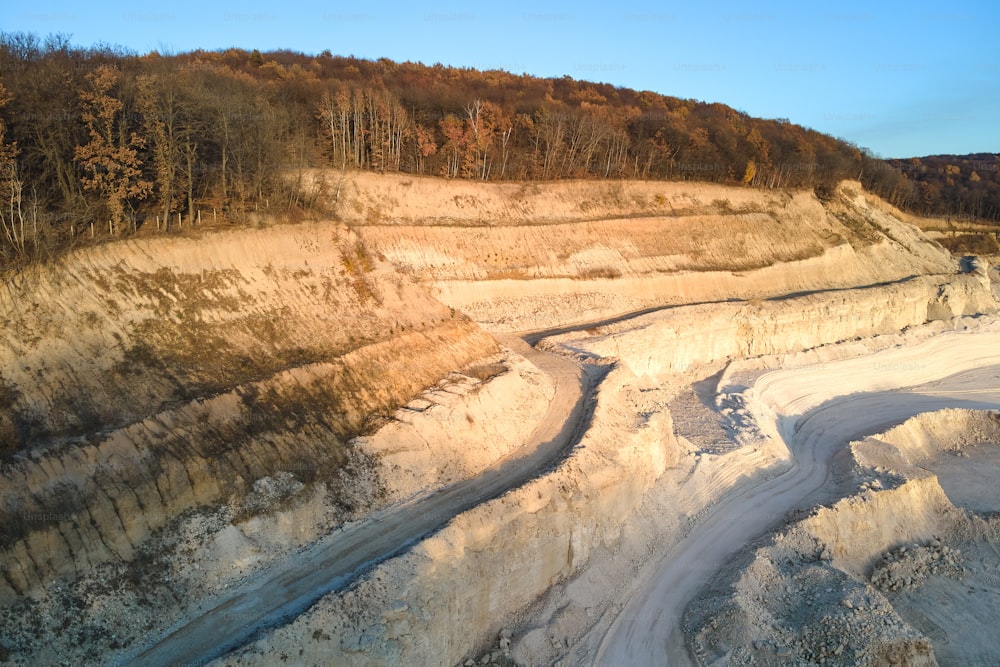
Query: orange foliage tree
<point x="110" y="159"/>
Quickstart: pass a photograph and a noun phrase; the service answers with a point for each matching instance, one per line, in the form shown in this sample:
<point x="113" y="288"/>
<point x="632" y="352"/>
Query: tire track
<point x="290" y="587"/>
<point x="647" y="630"/>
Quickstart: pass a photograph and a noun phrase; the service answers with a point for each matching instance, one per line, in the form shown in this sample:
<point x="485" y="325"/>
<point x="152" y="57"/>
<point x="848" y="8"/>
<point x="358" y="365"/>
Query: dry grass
<point x="971" y="244"/>
<point x="598" y="272"/>
<point x="485" y="372"/>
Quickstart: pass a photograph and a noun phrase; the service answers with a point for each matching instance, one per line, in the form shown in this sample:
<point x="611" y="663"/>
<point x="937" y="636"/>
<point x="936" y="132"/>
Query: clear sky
<point x="901" y="78"/>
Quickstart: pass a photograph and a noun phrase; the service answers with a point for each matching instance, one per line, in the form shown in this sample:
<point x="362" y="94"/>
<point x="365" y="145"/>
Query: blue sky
<point x="901" y="78"/>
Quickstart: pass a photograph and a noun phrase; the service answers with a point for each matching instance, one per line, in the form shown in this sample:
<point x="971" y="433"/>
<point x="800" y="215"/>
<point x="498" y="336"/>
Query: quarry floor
<point x="647" y="630"/>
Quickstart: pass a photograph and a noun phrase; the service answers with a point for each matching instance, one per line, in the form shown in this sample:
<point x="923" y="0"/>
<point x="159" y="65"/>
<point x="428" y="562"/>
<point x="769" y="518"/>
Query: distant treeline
<point x="102" y="141"/>
<point x="964" y="187"/>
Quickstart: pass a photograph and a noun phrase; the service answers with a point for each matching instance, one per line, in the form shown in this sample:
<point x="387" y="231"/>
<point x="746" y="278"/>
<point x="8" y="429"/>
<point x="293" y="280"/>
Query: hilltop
<point x="100" y="143"/>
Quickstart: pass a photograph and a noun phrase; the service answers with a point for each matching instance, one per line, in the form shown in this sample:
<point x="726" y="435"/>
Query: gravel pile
<point x="907" y="567"/>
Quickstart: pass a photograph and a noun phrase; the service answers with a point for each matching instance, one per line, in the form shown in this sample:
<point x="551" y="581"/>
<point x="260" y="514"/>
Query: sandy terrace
<point x="902" y="570"/>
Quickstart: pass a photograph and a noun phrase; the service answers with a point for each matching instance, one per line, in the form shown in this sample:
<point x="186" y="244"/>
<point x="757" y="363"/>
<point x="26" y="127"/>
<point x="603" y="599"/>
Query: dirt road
<point x="647" y="630"/>
<point x="290" y="587"/>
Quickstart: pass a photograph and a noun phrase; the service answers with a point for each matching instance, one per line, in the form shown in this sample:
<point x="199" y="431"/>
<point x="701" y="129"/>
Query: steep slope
<point x="147" y="378"/>
<point x="517" y="256"/>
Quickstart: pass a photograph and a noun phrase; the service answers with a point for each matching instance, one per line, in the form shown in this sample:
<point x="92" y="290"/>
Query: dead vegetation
<point x="971" y="244"/>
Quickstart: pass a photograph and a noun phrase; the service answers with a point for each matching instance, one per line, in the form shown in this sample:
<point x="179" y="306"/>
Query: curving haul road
<point x="291" y="586"/>
<point x="647" y="629"/>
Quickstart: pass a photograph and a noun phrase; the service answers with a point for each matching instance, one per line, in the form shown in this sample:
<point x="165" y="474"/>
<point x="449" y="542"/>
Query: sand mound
<point x="894" y="573"/>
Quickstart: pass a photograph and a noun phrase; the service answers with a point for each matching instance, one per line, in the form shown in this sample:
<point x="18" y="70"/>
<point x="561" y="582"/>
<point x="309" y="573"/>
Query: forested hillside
<point x="98" y="141"/>
<point x="964" y="187"/>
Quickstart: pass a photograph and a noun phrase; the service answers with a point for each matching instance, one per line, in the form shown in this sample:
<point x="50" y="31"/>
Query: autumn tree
<point x="487" y="132"/>
<point x="426" y="145"/>
<point x="549" y="136"/>
<point x="96" y="133"/>
<point x="44" y="79"/>
<point x="170" y="131"/>
<point x="12" y="215"/>
<point x="365" y="127"/>
<point x="334" y="111"/>
<point x="110" y="160"/>
<point x="455" y="145"/>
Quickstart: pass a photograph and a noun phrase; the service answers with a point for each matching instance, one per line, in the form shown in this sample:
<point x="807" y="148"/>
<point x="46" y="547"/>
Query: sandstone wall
<point x="673" y="339"/>
<point x="146" y="378"/>
<point x="576" y="252"/>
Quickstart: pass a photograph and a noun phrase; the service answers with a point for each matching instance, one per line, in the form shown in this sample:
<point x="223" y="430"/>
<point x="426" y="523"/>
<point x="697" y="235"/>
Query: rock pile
<point x="855" y="634"/>
<point x="907" y="567"/>
<point x="499" y="656"/>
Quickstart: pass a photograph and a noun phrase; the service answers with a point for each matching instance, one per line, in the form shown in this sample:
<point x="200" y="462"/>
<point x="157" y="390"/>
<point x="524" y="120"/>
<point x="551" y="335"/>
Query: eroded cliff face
<point x="685" y="336"/>
<point x="178" y="318"/>
<point x="147" y="378"/>
<point x="521" y="257"/>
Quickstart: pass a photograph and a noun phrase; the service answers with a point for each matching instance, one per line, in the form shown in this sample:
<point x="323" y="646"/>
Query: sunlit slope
<point x="516" y="256"/>
<point x="144" y="378"/>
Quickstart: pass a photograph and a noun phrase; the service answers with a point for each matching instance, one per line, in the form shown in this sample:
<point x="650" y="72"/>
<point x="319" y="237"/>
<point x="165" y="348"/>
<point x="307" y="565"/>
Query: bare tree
<point x="12" y="221"/>
<point x="167" y="123"/>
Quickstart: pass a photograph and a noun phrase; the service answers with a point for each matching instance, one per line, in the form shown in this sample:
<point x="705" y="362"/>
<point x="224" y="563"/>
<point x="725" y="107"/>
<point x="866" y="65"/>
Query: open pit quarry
<point x="609" y="423"/>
